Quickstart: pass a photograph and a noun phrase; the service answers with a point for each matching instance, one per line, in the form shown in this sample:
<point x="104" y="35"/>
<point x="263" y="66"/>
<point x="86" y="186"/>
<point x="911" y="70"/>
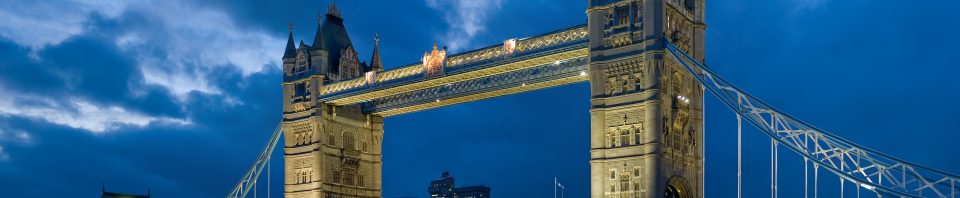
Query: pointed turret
<point x="333" y="10"/>
<point x="291" y="51"/>
<point x="335" y="38"/>
<point x="290" y="54"/>
<point x="375" y="64"/>
<point x="318" y="38"/>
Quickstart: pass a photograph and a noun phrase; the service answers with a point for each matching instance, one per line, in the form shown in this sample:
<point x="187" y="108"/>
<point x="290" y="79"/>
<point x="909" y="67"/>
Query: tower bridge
<point x="547" y="60"/>
<point x="643" y="60"/>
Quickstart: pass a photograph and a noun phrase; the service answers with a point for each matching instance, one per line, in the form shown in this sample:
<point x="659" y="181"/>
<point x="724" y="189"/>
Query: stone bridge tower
<point x="646" y="111"/>
<point x="329" y="151"/>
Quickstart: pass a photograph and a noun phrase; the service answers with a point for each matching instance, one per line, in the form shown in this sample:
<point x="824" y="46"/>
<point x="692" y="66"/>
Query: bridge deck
<point x="547" y="60"/>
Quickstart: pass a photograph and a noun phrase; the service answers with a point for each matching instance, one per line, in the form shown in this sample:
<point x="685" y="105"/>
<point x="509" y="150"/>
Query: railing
<point x="866" y="168"/>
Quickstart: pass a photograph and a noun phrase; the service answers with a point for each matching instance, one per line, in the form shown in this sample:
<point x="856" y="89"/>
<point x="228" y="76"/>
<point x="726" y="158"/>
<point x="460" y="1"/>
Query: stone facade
<point x="646" y="110"/>
<point x="329" y="151"/>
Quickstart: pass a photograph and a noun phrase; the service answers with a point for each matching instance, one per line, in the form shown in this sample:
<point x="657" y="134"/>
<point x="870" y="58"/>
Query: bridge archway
<point x="676" y="188"/>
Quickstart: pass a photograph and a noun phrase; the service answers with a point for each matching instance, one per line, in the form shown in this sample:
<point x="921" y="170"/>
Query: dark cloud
<point x="24" y="73"/>
<point x="877" y="73"/>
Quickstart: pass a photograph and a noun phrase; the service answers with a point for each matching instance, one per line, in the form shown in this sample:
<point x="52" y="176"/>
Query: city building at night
<point x="105" y="194"/>
<point x="445" y="188"/>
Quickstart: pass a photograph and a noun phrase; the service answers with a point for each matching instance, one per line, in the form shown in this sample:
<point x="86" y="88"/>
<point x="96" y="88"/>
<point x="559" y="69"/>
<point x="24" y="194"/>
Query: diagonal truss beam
<point x="867" y="168"/>
<point x="249" y="180"/>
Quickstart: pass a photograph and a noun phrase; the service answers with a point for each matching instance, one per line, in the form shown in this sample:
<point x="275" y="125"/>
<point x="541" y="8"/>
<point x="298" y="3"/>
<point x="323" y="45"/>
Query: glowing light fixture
<point x="509" y="46"/>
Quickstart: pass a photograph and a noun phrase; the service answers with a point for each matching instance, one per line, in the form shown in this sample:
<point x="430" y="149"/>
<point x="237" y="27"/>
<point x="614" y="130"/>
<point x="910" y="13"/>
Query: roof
<point x="291" y="50"/>
<point x="317" y="38"/>
<point x="375" y="62"/>
<point x="334" y="38"/>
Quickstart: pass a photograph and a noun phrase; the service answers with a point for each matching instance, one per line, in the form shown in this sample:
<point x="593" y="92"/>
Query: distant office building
<point x="444" y="188"/>
<point x="105" y="194"/>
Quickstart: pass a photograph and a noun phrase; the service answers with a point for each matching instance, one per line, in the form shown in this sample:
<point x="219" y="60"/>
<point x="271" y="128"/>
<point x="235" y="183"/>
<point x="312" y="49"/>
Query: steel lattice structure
<point x="549" y="58"/>
<point x="544" y="73"/>
<point x="249" y="179"/>
<point x="862" y="166"/>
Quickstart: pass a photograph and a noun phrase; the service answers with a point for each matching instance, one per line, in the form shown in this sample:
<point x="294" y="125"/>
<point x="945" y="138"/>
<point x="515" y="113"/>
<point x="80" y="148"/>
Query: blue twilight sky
<point x="179" y="96"/>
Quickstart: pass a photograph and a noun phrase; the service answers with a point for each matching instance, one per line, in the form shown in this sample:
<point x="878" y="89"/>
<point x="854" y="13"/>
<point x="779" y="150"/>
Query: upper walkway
<point x="546" y="60"/>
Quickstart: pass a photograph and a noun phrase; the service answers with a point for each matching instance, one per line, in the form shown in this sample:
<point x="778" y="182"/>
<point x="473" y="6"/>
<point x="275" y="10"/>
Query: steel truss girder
<point x="576" y="66"/>
<point x="552" y="46"/>
<point x="867" y="168"/>
<point x="249" y="180"/>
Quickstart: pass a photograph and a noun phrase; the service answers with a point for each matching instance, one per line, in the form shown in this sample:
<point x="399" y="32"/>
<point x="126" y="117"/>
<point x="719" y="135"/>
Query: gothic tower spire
<point x="318" y="38"/>
<point x="375" y="63"/>
<point x="291" y="50"/>
<point x="333" y="10"/>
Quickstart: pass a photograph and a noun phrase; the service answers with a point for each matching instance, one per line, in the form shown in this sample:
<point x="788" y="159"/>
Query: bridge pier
<point x="333" y="151"/>
<point x="330" y="150"/>
<point x="646" y="111"/>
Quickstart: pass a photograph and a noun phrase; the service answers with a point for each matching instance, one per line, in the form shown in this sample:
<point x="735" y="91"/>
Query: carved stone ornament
<point x="433" y="61"/>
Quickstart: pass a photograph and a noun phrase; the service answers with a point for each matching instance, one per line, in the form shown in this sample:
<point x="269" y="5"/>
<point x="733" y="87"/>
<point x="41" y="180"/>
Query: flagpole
<point x="554" y="187"/>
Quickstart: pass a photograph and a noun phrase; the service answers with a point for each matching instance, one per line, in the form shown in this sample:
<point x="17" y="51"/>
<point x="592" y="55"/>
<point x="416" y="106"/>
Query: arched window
<point x="639" y="79"/>
<point x="360" y="180"/>
<point x="296" y="176"/>
<point x="348" y="141"/>
<point x="301" y="63"/>
<point x="306" y="176"/>
<point x="331" y="139"/>
<point x="335" y="176"/>
<point x="636" y="189"/>
<point x="624" y="137"/>
<point x="625" y="185"/>
<point x="310" y="177"/>
<point x="610" y="140"/>
<point x="677" y="83"/>
<point x="637" y="134"/>
<point x="613" y="138"/>
<point x="623" y="16"/>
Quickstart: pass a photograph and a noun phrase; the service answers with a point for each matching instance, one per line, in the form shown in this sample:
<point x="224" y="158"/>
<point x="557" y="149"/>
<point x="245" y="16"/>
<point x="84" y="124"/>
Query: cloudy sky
<point x="179" y="96"/>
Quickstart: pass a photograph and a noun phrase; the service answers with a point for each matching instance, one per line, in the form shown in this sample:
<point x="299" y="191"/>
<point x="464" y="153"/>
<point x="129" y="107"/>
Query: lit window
<point x="623" y="16"/>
